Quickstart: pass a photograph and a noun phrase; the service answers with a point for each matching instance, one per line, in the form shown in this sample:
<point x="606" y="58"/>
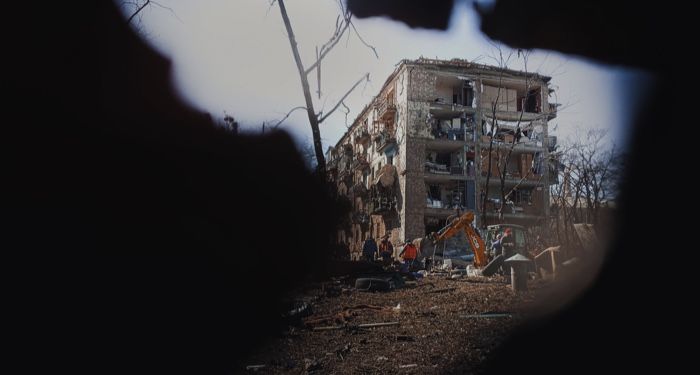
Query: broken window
<point x="500" y="99"/>
<point x="452" y="129"/>
<point x="434" y="192"/>
<point x="457" y="196"/>
<point x="444" y="163"/>
<point x="465" y="94"/>
<point x="533" y="102"/>
<point x="471" y="195"/>
<point x="434" y="198"/>
<point x="443" y="158"/>
<point x="521" y="197"/>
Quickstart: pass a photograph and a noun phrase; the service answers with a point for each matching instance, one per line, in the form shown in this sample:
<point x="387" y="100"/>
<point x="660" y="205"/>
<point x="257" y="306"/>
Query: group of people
<point x="504" y="244"/>
<point x="409" y="253"/>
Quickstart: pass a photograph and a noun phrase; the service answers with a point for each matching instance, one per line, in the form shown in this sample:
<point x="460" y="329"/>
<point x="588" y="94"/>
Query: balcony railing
<point x="442" y="169"/>
<point x="382" y="204"/>
<point x="451" y="134"/>
<point x="383" y="140"/>
<point x="360" y="162"/>
<point x="448" y="204"/>
<point x="362" y="136"/>
<point x="386" y="109"/>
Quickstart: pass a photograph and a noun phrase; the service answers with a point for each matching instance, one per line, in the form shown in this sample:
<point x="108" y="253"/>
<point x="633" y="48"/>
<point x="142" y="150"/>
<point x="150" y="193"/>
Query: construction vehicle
<point x="463" y="223"/>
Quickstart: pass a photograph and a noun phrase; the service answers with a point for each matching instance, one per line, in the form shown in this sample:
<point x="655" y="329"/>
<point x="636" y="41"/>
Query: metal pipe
<point x="518" y="272"/>
<point x="518" y="277"/>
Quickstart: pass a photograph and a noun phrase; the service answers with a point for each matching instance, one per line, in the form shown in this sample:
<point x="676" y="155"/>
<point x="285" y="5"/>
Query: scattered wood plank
<point x="477" y="316"/>
<point x="368" y="325"/>
<point x="371" y="325"/>
<point x="442" y="290"/>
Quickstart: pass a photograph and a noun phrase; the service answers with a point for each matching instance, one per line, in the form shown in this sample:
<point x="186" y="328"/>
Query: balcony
<point x="514" y="179"/>
<point x="344" y="174"/>
<point x="552" y="111"/>
<point x="528" y="147"/>
<point x="382" y="204"/>
<point x="443" y="170"/>
<point x="384" y="140"/>
<point x="386" y="109"/>
<point x="362" y="136"/>
<point x="508" y="216"/>
<point x="515" y="115"/>
<point x="360" y="163"/>
<point x="359" y="189"/>
<point x="442" y="109"/>
<point x="332" y="164"/>
<point x="450" y="134"/>
<point x="443" y="208"/>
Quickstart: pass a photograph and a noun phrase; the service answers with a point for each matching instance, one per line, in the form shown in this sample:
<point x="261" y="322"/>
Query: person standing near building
<point x="369" y="250"/>
<point x="508" y="243"/>
<point x="496" y="246"/>
<point x="386" y="250"/>
<point x="409" y="254"/>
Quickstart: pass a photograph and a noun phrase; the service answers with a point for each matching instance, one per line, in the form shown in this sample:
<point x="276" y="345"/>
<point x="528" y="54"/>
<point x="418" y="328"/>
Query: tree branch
<point x="286" y="116"/>
<point x="365" y="77"/>
<point x="339" y="31"/>
<point x="363" y="41"/>
<point x="167" y="8"/>
<point x="346" y="112"/>
<point x="138" y="11"/>
<point x="313" y="118"/>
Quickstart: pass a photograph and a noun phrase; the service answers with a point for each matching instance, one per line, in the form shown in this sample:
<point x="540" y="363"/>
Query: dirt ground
<point x="441" y="328"/>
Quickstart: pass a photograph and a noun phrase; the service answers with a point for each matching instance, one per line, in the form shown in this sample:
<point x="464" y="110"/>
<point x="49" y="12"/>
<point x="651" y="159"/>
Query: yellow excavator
<point x="464" y="223"/>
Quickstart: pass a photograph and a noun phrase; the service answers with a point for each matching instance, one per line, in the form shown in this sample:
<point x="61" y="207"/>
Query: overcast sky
<point x="234" y="56"/>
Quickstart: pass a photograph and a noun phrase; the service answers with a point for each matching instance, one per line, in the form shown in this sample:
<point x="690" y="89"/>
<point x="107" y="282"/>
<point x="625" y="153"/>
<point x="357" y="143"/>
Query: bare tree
<point x="504" y="149"/>
<point x="590" y="173"/>
<point x="502" y="61"/>
<point x="342" y="25"/>
<point x="134" y="9"/>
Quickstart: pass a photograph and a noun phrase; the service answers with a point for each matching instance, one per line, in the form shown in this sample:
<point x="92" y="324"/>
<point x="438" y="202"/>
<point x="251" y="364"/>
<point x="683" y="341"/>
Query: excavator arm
<point x="463" y="223"/>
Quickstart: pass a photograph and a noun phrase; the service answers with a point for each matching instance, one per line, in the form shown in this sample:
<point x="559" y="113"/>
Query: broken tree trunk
<point x="313" y="119"/>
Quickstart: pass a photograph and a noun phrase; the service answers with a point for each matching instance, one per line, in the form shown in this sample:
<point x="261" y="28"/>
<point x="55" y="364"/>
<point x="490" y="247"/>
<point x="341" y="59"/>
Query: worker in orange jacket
<point x="409" y="254"/>
<point x="386" y="250"/>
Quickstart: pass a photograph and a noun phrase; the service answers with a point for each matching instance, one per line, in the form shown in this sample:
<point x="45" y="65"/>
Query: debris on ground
<point x="446" y="326"/>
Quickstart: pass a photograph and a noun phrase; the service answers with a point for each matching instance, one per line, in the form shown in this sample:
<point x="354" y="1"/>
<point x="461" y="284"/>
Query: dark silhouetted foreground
<point x="139" y="238"/>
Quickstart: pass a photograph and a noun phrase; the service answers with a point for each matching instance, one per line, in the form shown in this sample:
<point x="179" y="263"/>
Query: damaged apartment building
<point x="423" y="150"/>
